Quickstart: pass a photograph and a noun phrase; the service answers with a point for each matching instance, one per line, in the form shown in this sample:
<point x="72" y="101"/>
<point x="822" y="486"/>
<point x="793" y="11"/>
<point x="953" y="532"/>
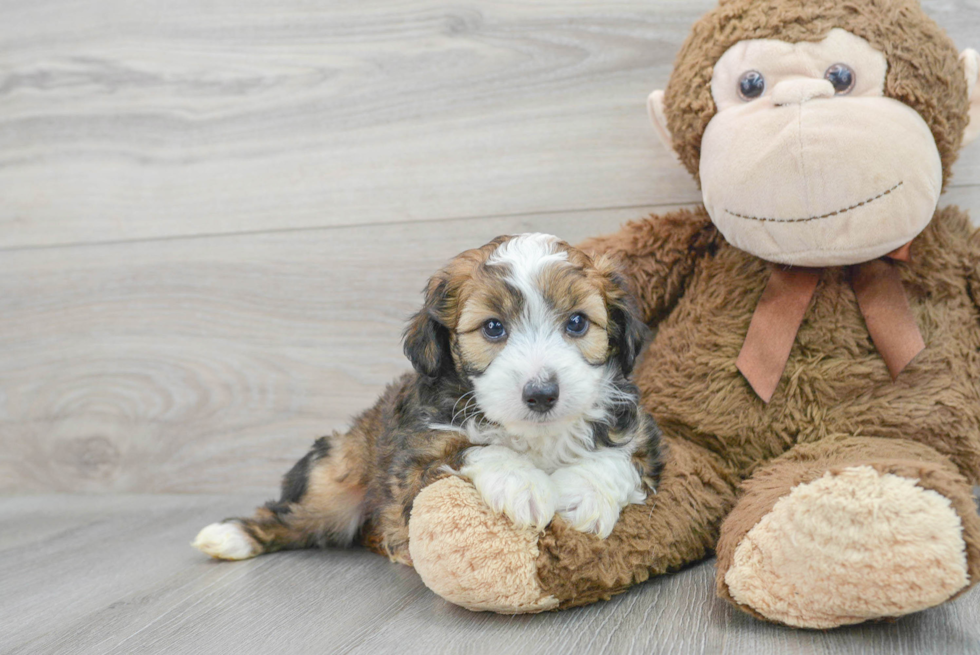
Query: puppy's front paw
<point x="512" y="487"/>
<point x="527" y="497"/>
<point x="582" y="505"/>
<point x="225" y="541"/>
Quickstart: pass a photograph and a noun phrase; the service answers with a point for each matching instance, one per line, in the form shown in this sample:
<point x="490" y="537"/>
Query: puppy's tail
<point x="322" y="504"/>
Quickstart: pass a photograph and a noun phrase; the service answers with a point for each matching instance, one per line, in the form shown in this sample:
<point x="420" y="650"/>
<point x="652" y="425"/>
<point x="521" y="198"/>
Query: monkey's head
<point x="822" y="132"/>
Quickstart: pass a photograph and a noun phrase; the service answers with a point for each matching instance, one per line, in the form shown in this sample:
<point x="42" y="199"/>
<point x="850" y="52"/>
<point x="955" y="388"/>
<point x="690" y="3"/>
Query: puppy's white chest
<point x="546" y="450"/>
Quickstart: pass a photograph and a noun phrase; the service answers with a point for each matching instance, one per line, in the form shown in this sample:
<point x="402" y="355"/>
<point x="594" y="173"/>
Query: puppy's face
<point x="538" y="330"/>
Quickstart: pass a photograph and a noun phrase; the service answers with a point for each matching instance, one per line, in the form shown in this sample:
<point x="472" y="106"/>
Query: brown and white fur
<point x="521" y="354"/>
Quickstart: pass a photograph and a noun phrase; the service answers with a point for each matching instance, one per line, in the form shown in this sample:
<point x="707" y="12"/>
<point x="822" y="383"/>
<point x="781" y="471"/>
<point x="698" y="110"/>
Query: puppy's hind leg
<point x="322" y="504"/>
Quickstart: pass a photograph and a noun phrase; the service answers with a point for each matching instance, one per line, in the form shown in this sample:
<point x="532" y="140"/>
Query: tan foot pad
<point x="471" y="556"/>
<point x="850" y="547"/>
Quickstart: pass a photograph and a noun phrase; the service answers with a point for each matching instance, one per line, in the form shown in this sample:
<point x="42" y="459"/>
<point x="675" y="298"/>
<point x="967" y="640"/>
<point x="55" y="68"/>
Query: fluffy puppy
<point x="521" y="354"/>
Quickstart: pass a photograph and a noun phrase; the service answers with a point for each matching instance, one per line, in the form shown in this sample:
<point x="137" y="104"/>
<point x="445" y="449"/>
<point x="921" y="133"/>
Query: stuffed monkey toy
<point x="816" y="363"/>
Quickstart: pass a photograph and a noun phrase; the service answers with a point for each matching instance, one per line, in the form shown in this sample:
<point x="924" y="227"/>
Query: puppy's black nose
<point x="540" y="396"/>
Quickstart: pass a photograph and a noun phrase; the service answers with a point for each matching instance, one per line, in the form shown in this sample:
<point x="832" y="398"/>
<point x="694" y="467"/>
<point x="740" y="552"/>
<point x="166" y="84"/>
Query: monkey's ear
<point x="426" y="339"/>
<point x="970" y="59"/>
<point x="655" y="107"/>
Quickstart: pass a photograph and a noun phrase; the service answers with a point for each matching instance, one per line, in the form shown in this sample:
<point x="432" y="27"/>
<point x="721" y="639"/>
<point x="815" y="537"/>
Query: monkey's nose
<point x="799" y="90"/>
<point x="540" y="396"/>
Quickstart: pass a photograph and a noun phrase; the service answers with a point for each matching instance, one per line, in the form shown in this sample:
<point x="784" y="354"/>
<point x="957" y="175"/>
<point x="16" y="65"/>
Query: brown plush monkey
<point x="816" y="366"/>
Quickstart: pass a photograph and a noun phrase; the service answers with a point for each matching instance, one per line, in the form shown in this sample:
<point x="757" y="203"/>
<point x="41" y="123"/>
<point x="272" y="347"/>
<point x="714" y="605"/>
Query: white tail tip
<point x="225" y="541"/>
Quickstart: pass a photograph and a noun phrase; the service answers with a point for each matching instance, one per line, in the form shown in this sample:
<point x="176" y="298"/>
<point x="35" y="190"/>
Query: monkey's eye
<point x="842" y="77"/>
<point x="577" y="325"/>
<point x="751" y="85"/>
<point x="494" y="330"/>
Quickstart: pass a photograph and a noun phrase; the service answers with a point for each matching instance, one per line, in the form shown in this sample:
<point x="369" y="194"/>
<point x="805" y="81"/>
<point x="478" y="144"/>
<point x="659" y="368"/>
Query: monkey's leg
<point x="479" y="560"/>
<point x="322" y="504"/>
<point x="847" y="530"/>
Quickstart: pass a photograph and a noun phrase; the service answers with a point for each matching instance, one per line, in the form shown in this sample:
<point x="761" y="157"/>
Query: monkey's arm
<point x="478" y="559"/>
<point x="658" y="255"/>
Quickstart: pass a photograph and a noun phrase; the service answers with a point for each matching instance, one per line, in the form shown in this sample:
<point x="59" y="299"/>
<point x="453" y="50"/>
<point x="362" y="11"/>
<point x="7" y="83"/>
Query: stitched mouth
<point x="815" y="218"/>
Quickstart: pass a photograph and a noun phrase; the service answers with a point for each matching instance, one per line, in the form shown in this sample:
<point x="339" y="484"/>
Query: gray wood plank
<point x="211" y="364"/>
<point x="123" y="570"/>
<point x="119" y="577"/>
<point x="121" y="121"/>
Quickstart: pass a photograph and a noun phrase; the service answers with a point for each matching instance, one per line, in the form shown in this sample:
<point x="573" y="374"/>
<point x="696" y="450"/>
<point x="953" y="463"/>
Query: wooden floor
<point x="214" y="219"/>
<point x="114" y="575"/>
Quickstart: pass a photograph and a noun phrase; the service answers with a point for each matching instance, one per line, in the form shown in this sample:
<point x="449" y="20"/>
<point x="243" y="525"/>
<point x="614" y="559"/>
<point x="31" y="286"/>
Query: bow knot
<point x="779" y="314"/>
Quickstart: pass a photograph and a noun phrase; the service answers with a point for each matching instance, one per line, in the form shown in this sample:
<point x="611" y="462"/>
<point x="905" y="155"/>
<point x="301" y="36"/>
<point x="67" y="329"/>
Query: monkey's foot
<point x="850" y="547"/>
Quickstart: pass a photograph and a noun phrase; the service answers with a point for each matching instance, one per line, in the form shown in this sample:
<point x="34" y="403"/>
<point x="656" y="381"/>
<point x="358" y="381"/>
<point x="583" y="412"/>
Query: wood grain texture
<point x="145" y="356"/>
<point x="114" y="575"/>
<point x="126" y="120"/>
<point x="215" y="217"/>
<point x="210" y="364"/>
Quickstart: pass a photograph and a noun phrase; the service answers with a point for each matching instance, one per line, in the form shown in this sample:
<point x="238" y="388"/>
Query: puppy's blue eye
<point x="494" y="329"/>
<point x="577" y="325"/>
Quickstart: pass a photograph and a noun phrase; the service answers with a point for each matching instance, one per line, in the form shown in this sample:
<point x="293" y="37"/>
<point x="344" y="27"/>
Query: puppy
<point x="521" y="355"/>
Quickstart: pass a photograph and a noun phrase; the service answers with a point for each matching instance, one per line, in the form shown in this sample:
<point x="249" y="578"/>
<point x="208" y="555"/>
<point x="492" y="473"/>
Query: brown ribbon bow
<point x="777" y="318"/>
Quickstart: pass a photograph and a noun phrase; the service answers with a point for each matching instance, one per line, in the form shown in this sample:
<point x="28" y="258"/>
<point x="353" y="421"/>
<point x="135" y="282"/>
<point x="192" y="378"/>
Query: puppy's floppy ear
<point x="426" y="338"/>
<point x="627" y="331"/>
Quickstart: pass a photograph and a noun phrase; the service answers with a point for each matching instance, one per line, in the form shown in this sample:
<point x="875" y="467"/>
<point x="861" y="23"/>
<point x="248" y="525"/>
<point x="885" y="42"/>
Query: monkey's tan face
<point x="806" y="162"/>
